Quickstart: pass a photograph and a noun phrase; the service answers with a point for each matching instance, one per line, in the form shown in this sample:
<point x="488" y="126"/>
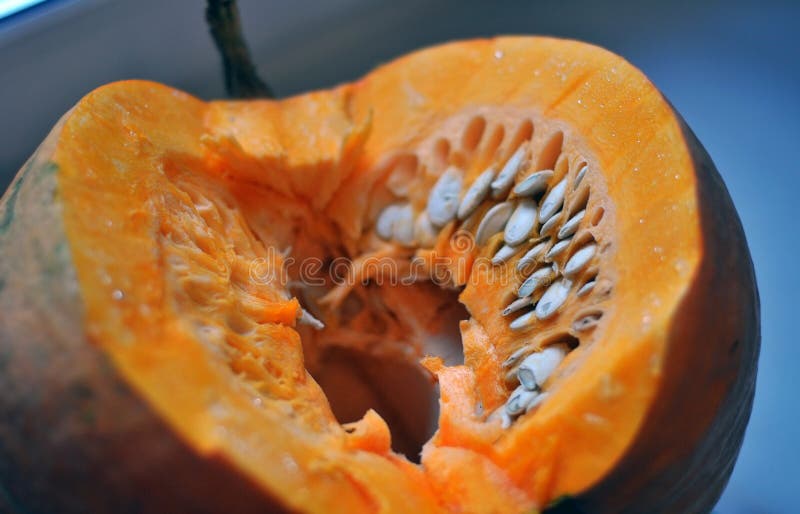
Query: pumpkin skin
<point x="124" y="372"/>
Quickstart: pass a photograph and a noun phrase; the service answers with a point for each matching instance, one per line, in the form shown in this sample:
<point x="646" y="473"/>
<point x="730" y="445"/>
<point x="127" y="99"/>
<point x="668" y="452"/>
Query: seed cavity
<point x="521" y="223"/>
<point x="502" y="184"/>
<point x="493" y="222"/>
<point x="476" y="194"/>
<point x="587" y="321"/>
<point x="553" y="299"/>
<point x="443" y="198"/>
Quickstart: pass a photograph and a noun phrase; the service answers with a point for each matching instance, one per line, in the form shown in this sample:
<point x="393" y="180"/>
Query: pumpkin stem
<point x="241" y="77"/>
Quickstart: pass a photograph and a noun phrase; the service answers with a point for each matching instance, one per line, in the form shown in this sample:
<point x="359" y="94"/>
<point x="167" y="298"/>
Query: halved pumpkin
<point x="242" y="306"/>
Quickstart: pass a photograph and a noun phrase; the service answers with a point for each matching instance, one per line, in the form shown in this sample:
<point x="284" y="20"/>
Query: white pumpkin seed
<point x="557" y="249"/>
<point x="538" y="366"/>
<point x="505" y="419"/>
<point x="553" y="298"/>
<point x="531" y="255"/>
<point x="386" y="219"/>
<point x="579" y="260"/>
<point x="553" y="201"/>
<point x="403" y="227"/>
<point x="586" y="288"/>
<point x="537" y="279"/>
<point x="493" y="222"/>
<point x="504" y="253"/>
<point x="548" y="227"/>
<point x="534" y="183"/>
<point x="424" y="231"/>
<point x="502" y="184"/>
<point x="521" y="223"/>
<point x="306" y="318"/>
<point x="519" y="303"/>
<point x="522" y="322"/>
<point x="476" y="194"/>
<point x="519" y="400"/>
<point x="443" y="198"/>
<point x="571" y="226"/>
<point x="580" y="176"/>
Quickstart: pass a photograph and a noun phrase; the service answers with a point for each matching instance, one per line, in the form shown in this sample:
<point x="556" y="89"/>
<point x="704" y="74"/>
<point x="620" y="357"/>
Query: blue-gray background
<point x="731" y="68"/>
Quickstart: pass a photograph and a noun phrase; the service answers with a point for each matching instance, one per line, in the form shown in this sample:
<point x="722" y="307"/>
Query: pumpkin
<point x="246" y="306"/>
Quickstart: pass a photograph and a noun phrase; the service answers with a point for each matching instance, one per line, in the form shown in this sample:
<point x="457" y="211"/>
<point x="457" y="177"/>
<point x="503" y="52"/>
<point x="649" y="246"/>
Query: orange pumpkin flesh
<point x="161" y="224"/>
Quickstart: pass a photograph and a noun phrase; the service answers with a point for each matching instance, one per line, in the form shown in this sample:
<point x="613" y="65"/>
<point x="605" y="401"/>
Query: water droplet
<point x="117" y="294"/>
<point x="498" y="54"/>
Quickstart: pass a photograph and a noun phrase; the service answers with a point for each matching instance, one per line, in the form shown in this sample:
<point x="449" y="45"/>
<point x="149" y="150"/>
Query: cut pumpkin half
<point x="485" y="276"/>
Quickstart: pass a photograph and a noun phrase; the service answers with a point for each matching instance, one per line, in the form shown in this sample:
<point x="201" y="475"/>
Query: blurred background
<point x="731" y="68"/>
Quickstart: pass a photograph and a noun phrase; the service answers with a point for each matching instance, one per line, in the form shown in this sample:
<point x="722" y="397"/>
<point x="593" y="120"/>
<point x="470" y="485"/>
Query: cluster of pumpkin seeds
<point x="542" y="218"/>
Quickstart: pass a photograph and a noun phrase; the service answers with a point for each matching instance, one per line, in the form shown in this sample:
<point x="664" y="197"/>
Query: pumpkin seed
<point x="306" y="318"/>
<point x="523" y="321"/>
<point x="424" y="231"/>
<point x="538" y="278"/>
<point x="443" y="198"/>
<point x="553" y="298"/>
<point x="476" y="194"/>
<point x="550" y="224"/>
<point x="519" y="401"/>
<point x="557" y="249"/>
<point x="537" y="367"/>
<point x="519" y="303"/>
<point x="403" y="227"/>
<point x="579" y="260"/>
<point x="553" y="201"/>
<point x="504" y="253"/>
<point x="534" y="183"/>
<point x="502" y="184"/>
<point x="571" y="226"/>
<point x="493" y="222"/>
<point x="531" y="256"/>
<point x="386" y="219"/>
<point x="521" y="223"/>
<point x="580" y="176"/>
<point x="586" y="288"/>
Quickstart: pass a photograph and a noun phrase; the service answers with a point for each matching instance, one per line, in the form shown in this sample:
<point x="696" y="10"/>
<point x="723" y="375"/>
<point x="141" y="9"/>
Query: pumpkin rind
<point x="126" y="166"/>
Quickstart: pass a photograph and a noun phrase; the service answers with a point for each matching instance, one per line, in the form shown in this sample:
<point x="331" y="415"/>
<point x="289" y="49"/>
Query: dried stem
<point x="241" y="77"/>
